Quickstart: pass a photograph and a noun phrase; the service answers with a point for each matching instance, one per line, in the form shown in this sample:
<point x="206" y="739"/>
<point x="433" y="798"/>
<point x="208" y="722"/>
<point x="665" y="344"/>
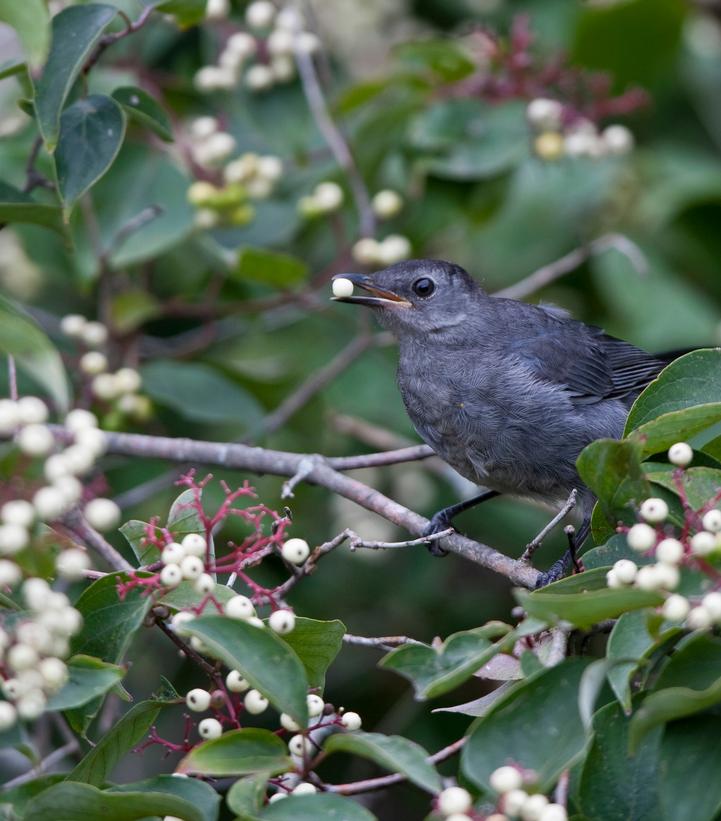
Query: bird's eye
<point x="424" y="287"/>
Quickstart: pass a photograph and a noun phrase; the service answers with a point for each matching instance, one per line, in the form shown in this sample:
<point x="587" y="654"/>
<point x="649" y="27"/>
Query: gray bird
<point x="507" y="393"/>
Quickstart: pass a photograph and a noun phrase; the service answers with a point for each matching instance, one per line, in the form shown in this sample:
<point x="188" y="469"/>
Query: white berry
<point x="454" y="800"/>
<point x="669" y="551"/>
<point x="667" y="576"/>
<point x="641" y="537"/>
<point x="315" y="705"/>
<point x="289" y="723"/>
<point x="79" y="419"/>
<point x="544" y="114"/>
<point x="72" y="563"/>
<point x="299" y="744"/>
<point x="36" y="440"/>
<point x="128" y="380"/>
<point x="102" y="514"/>
<point x="93" y="363"/>
<point x="8" y="716"/>
<point x="210" y="728"/>
<point x="617" y="139"/>
<point x="32" y="411"/>
<point x="703" y="543"/>
<point x="180" y="620"/>
<point x="21" y="657"/>
<point x="259" y="77"/>
<point x="172" y="553"/>
<point x="94" y="334"/>
<point x="192" y="567"/>
<point x="9" y="416"/>
<point x="534" y="807"/>
<point x="239" y="607"/>
<point x="10" y="573"/>
<point x="50" y="503"/>
<point x="513" y="801"/>
<point x="554" y="812"/>
<point x="105" y="387"/>
<point x="712" y="603"/>
<point x="242" y="44"/>
<point x="505" y="779"/>
<point x="255" y="702"/>
<point x="625" y="571"/>
<point x="680" y="454"/>
<point x="54" y="672"/>
<point x="194" y="545"/>
<point x="676" y="608"/>
<point x="198" y="700"/>
<point x="204" y="584"/>
<point x="341" y="287"/>
<point x="387" y="204"/>
<point x="648" y="578"/>
<point x="394" y="248"/>
<point x="304" y="788"/>
<point x="13" y="538"/>
<point x="654" y="510"/>
<point x="699" y="618"/>
<point x="282" y="621"/>
<point x="217" y="9"/>
<point x="296" y="551"/>
<point x="18" y="512"/>
<point x="235" y="682"/>
<point x="171" y="575"/>
<point x="328" y="196"/>
<point x="260" y="14"/>
<point x="73" y="325"/>
<point x="712" y="521"/>
<point x="31" y="705"/>
<point x="351" y="721"/>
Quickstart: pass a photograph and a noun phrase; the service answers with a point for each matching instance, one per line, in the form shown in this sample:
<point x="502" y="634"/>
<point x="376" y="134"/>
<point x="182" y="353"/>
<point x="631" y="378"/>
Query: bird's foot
<point x="439" y="522"/>
<point x="569" y="561"/>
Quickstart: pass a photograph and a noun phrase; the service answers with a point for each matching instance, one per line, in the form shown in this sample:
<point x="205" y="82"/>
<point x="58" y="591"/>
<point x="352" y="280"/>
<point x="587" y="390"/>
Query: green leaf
<point x="677" y="426"/>
<point x="13" y="66"/>
<point x="238" y="752"/>
<point x="613" y="472"/>
<point x="199" y="392"/>
<point x="91" y="133"/>
<point x="196" y="792"/>
<point x="322" y="807"/>
<point x="22" y="337"/>
<point x="636" y="635"/>
<point x="246" y="797"/>
<point x="16" y="206"/>
<point x="436" y="671"/>
<point x="608" y="554"/>
<point x="139" y="105"/>
<point x="443" y="58"/>
<point x="316" y="644"/>
<point x="88" y="678"/>
<point x="18" y="797"/>
<point x="269" y="268"/>
<point x="695" y="663"/>
<point x="186" y="12"/>
<point x="469" y="139"/>
<point x="693" y="379"/>
<point x="700" y="484"/>
<point x="185" y="596"/>
<point x="134" y="532"/>
<point x="613" y="785"/>
<point x="393" y="752"/>
<point x="584" y="599"/>
<point x="98" y="764"/>
<point x="75" y="31"/>
<point x="31" y="21"/>
<point x="109" y="623"/>
<point x="689" y="786"/>
<point x="132" y="308"/>
<point x="82" y="802"/>
<point x="262" y="657"/>
<point x="545" y="706"/>
<point x="183" y="516"/>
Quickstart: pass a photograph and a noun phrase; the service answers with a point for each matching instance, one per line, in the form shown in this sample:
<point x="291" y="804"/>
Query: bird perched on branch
<point x="507" y="393"/>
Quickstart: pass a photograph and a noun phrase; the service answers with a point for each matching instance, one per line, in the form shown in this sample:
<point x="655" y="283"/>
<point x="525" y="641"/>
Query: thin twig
<point x="370" y="784"/>
<point x="335" y="139"/>
<point x="109" y="39"/>
<point x="77" y="523"/>
<point x="535" y="543"/>
<point x="560" y="267"/>
<point x="12" y="378"/>
<point x="356" y="542"/>
<point x="321" y="471"/>
<point x="384" y="642"/>
<point x="46" y="764"/>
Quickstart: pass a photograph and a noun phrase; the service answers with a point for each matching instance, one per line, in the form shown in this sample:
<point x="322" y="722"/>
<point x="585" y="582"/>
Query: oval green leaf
<point x="146" y="110"/>
<point x="238" y="752"/>
<point x="393" y="752"/>
<point x="262" y="657"/>
<point x="316" y="643"/>
<point x="322" y="807"/>
<point x="88" y="678"/>
<point x="196" y="792"/>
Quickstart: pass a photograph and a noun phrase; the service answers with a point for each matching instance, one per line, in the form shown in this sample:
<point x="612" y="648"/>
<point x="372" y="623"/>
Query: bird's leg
<point x="443" y="519"/>
<point x="535" y="543"/>
<point x="570" y="558"/>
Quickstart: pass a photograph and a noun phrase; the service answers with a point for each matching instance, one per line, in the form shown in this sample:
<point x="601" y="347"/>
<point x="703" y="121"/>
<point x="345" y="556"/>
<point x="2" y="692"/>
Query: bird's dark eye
<point x="424" y="287"/>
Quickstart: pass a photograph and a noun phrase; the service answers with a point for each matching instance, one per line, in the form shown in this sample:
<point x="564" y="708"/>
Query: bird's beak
<point x="378" y="297"/>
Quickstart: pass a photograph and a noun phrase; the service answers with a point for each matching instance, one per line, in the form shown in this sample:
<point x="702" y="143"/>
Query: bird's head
<point x="418" y="296"/>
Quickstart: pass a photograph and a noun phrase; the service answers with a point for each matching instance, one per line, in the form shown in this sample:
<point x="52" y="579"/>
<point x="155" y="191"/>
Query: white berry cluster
<point x="325" y="198"/>
<point x="32" y="651"/>
<point x="122" y="386"/>
<point x="579" y="138"/>
<point x="27" y="418"/>
<point x="515" y="802"/>
<point x="387" y="204"/>
<point x="242" y="62"/>
<point x="185" y="560"/>
<point x="394" y="248"/>
<point x="647" y="538"/>
<point x="210" y="146"/>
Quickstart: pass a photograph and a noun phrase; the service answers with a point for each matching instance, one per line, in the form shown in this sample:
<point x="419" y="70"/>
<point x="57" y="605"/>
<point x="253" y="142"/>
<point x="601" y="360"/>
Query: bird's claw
<point x="438" y="523"/>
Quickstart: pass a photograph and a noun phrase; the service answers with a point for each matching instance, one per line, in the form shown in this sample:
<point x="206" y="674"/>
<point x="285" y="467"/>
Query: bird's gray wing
<point x="589" y="364"/>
